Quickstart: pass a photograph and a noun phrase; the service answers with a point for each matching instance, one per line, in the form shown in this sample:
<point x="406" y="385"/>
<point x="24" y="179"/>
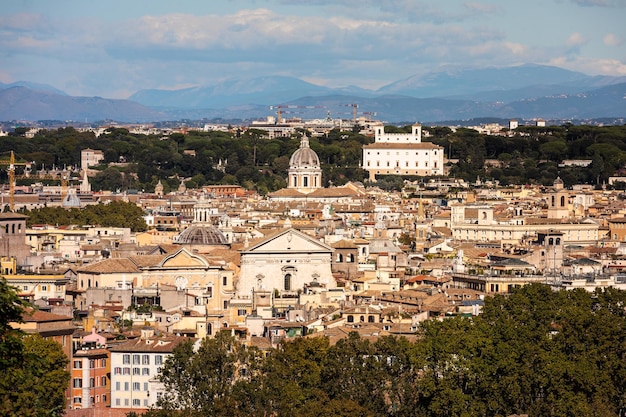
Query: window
<point x="224" y="280"/>
<point x="77" y="383"/>
<point x="103" y="382"/>
<point x="126" y="386"/>
<point x="145" y="386"/>
<point x="225" y="304"/>
<point x="117" y="386"/>
<point x="136" y="371"/>
<point x="287" y="282"/>
<point x="136" y="386"/>
<point x="78" y="364"/>
<point x="242" y="312"/>
<point x="104" y="398"/>
<point x="145" y="371"/>
<point x="117" y="401"/>
<point x="126" y="402"/>
<point x="145" y="359"/>
<point x="158" y="360"/>
<point x="104" y="362"/>
<point x="126" y="359"/>
<point x="77" y="400"/>
<point x="136" y="359"/>
<point x="136" y="402"/>
<point x="126" y="371"/>
<point x="92" y="363"/>
<point x="92" y="382"/>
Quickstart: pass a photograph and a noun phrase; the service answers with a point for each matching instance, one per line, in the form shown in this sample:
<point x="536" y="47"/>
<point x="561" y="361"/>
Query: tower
<point x="305" y="172"/>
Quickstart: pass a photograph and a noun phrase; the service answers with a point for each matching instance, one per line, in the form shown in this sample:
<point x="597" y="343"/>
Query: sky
<point x="115" y="48"/>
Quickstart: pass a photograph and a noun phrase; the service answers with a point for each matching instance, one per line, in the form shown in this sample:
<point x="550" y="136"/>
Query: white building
<point x="134" y="366"/>
<point x="90" y="157"/>
<point x="287" y="261"/>
<point x="402" y="154"/>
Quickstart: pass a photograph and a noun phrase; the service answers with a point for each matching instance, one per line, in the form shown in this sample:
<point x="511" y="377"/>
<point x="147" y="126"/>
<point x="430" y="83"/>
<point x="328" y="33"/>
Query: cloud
<point x="600" y="3"/>
<point x="575" y="40"/>
<point x="611" y="40"/>
<point x="482" y="8"/>
<point x="590" y="66"/>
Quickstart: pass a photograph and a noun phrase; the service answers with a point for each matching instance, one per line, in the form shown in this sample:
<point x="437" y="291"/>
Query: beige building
<point x="205" y="284"/>
<point x="476" y="223"/>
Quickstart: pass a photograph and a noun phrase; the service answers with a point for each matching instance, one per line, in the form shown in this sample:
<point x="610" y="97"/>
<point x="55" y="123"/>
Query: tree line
<point x="536" y="352"/>
<point x="527" y="155"/>
<point x="113" y="214"/>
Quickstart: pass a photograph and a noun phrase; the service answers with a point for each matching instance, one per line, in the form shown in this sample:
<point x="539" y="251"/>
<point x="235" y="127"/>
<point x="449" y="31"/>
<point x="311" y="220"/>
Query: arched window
<point x="287" y="282"/>
<point x="350" y="258"/>
<point x="562" y="201"/>
<point x="553" y="201"/>
<point x="350" y="319"/>
<point x="339" y="257"/>
<point x="362" y="319"/>
<point x="370" y="319"/>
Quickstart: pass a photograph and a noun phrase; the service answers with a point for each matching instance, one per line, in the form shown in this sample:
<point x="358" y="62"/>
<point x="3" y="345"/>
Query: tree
<point x="34" y="375"/>
<point x="201" y="383"/>
<point x="11" y="309"/>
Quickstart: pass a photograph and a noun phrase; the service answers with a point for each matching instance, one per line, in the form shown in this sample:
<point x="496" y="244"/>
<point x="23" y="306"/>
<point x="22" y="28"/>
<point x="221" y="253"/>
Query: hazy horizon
<point x="114" y="49"/>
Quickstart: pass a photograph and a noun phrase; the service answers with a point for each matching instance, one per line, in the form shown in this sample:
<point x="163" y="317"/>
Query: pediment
<point x="289" y="240"/>
<point x="184" y="259"/>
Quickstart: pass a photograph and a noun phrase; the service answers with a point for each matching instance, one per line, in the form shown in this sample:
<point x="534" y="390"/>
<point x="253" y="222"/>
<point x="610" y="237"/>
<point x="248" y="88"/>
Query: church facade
<point x="287" y="261"/>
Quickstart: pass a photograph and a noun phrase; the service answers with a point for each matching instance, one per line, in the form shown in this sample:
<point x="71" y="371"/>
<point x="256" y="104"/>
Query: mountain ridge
<point x="526" y="91"/>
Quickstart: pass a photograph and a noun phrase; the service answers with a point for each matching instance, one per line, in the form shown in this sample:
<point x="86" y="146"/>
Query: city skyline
<point x="115" y="49"/>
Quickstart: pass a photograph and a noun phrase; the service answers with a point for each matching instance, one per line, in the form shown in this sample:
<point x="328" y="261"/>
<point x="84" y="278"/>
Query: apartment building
<point x="135" y="366"/>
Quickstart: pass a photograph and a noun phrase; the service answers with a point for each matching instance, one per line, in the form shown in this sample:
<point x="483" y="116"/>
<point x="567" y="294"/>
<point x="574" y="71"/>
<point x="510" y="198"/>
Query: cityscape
<point x="311" y="209"/>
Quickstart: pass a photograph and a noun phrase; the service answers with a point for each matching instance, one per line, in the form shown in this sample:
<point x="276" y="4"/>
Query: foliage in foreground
<point x="536" y="351"/>
<point x="33" y="370"/>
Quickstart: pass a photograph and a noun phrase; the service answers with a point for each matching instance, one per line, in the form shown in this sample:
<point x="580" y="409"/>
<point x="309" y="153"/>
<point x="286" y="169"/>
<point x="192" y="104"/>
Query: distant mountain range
<point x="524" y="92"/>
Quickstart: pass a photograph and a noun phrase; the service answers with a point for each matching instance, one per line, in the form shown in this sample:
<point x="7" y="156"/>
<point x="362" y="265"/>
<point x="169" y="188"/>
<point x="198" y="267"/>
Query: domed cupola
<point x="305" y="173"/>
<point x="304" y="156"/>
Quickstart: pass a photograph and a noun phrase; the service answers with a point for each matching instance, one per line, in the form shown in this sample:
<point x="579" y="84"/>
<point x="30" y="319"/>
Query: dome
<point x="304" y="157"/>
<point x="202" y="235"/>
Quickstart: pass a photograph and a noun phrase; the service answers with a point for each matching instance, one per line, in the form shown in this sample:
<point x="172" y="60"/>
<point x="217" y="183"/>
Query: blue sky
<point x="114" y="48"/>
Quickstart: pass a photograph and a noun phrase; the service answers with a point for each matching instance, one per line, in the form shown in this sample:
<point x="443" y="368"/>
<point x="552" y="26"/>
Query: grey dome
<point x="304" y="157"/>
<point x="202" y="235"/>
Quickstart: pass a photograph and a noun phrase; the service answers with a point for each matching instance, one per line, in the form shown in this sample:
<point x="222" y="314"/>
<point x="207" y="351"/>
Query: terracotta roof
<point x="153" y="344"/>
<point x="111" y="265"/>
<point x="39" y="316"/>
<point x="344" y="244"/>
<point x="286" y="192"/>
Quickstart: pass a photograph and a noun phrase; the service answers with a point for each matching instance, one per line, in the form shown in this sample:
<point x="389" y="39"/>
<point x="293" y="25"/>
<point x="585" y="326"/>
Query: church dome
<point x="304" y="157"/>
<point x="202" y="235"/>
